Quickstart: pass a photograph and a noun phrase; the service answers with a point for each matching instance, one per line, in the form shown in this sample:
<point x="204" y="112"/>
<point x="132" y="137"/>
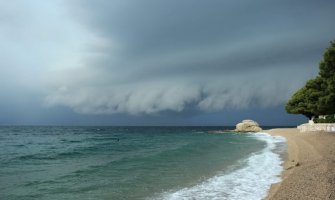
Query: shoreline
<point x="309" y="166"/>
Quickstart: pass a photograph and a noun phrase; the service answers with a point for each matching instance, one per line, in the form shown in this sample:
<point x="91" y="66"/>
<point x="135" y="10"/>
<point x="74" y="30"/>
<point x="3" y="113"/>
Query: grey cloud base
<point x="169" y="55"/>
<point x="151" y="96"/>
<point x="157" y="62"/>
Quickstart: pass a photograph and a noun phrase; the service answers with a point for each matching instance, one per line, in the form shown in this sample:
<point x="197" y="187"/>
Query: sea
<point x="149" y="163"/>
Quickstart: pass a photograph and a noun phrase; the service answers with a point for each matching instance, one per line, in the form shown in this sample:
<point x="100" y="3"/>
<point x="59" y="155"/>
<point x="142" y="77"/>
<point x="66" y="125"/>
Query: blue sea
<point x="115" y="163"/>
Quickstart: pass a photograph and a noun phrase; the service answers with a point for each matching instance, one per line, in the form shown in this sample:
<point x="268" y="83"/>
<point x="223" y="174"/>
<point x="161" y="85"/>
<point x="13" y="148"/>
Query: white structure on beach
<point x="311" y="126"/>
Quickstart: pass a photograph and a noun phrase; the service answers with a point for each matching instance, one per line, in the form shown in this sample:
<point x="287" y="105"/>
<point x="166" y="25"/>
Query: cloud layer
<point x="151" y="56"/>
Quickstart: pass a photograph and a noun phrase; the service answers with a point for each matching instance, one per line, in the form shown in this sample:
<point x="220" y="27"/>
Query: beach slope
<point x="309" y="169"/>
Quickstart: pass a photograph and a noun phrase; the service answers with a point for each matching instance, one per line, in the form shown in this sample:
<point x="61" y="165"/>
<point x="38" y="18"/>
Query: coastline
<point x="309" y="167"/>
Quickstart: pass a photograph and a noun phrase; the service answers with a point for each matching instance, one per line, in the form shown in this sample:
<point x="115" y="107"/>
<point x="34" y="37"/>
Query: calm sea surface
<point x="116" y="163"/>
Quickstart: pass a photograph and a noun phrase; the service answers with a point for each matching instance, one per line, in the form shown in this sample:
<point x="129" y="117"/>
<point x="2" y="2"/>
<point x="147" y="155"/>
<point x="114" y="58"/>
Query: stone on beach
<point x="248" y="126"/>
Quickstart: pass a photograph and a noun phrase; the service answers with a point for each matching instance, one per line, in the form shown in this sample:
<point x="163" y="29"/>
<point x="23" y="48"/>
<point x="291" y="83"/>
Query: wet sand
<point x="309" y="168"/>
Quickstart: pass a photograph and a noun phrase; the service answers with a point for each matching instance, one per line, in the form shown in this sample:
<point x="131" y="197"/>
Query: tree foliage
<point x="328" y="119"/>
<point x="317" y="97"/>
<point x="327" y="72"/>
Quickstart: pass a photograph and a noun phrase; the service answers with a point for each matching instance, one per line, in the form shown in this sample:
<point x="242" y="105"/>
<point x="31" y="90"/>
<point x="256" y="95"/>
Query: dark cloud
<point x="174" y="61"/>
<point x="167" y="55"/>
<point x="146" y="27"/>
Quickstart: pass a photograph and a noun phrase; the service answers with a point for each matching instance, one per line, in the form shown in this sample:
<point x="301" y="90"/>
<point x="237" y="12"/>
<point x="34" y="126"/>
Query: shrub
<point x="329" y="119"/>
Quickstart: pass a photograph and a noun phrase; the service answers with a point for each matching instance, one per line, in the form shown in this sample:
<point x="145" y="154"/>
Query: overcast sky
<point x="155" y="62"/>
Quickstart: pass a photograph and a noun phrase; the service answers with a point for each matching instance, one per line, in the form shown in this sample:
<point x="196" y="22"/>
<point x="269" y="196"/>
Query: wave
<point x="250" y="182"/>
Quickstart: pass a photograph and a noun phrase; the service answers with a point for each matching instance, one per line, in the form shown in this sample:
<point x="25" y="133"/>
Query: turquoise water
<point x="128" y="162"/>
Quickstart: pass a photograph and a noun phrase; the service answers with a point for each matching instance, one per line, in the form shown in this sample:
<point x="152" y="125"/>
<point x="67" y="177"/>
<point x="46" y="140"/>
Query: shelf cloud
<point x="146" y="58"/>
<point x="169" y="55"/>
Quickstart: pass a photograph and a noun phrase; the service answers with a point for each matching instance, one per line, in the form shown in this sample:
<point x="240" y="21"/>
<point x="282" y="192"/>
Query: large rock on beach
<point x="248" y="126"/>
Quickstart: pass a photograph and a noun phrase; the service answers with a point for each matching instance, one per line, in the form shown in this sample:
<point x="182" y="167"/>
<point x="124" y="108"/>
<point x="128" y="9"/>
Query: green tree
<point x="305" y="100"/>
<point x="317" y="97"/>
<point x="327" y="72"/>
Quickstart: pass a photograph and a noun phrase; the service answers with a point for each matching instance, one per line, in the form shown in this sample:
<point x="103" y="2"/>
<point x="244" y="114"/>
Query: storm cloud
<point x="157" y="62"/>
<point x="208" y="55"/>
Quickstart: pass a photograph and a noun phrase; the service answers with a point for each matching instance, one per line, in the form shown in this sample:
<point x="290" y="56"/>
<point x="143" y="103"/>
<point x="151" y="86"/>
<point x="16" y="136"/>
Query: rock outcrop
<point x="248" y="126"/>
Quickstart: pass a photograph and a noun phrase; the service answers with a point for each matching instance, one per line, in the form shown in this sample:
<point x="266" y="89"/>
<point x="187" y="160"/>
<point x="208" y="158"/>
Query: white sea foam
<point x="250" y="182"/>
